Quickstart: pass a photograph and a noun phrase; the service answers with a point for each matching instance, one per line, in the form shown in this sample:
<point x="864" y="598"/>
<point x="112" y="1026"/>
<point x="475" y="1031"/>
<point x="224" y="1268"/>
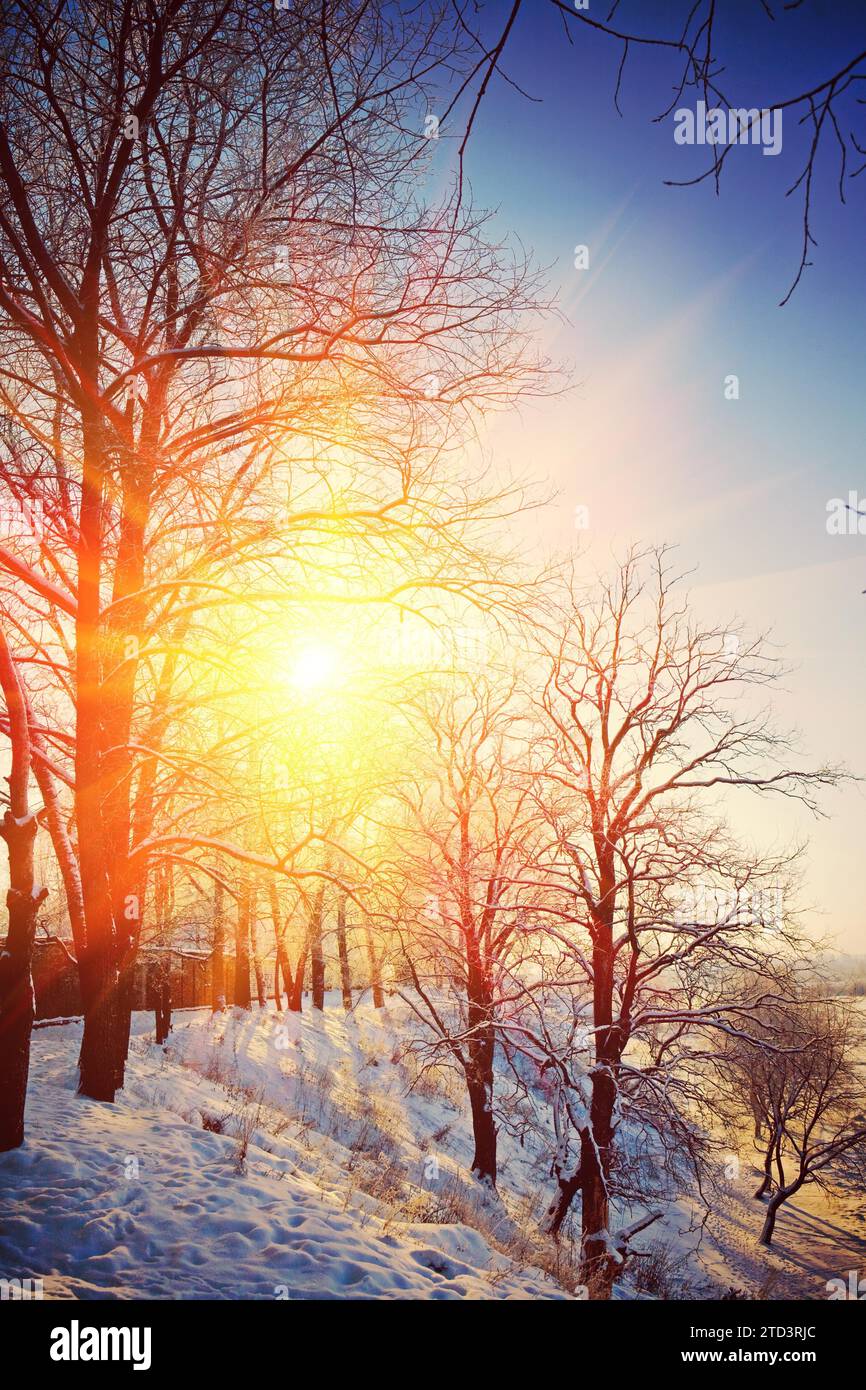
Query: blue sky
<point x="682" y="290"/>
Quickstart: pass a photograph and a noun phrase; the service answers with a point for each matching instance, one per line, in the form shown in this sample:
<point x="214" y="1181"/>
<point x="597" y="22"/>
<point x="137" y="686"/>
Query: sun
<point x="314" y="666"/>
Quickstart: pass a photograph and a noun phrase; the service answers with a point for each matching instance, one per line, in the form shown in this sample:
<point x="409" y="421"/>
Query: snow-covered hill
<point x="147" y="1198"/>
<point x="283" y="1156"/>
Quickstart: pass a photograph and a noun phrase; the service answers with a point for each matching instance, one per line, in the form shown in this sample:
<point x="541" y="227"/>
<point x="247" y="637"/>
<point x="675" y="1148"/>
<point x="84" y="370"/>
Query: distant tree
<point x="317" y="949"/>
<point x="243" y="998"/>
<point x="805" y="1083"/>
<point x="343" y="953"/>
<point x="255" y="948"/>
<point x="218" y="960"/>
<point x="468" y="855"/>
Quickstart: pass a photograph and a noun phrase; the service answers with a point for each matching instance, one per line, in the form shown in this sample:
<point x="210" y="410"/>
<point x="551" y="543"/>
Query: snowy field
<point x="285" y="1156"/>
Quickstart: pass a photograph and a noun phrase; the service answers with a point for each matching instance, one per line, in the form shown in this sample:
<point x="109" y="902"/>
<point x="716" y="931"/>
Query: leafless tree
<point x="216" y="268"/>
<point x="805" y="1086"/>
<point x="18" y="829"/>
<point x="652" y="715"/>
<point x="469" y="845"/>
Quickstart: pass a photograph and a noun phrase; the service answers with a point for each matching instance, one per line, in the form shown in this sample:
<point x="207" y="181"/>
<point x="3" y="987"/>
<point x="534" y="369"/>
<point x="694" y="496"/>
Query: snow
<point x="138" y="1200"/>
<point x="264" y="1155"/>
<point x="818" y="1238"/>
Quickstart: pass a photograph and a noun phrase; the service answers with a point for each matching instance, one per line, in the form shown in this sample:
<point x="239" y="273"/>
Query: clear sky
<point x="682" y="290"/>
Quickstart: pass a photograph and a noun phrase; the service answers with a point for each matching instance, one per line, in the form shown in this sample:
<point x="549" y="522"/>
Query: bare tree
<point x="651" y="717"/>
<point x="204" y="253"/>
<point x="218" y="961"/>
<point x="343" y="952"/>
<point x="806" y="1089"/>
<point x="18" y="829"/>
<point x="243" y="998"/>
<point x="469" y="844"/>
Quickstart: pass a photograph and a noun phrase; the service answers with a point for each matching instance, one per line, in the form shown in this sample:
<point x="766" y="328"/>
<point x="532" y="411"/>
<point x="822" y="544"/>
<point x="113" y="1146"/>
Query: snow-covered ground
<point x="146" y="1198"/>
<point x="271" y="1156"/>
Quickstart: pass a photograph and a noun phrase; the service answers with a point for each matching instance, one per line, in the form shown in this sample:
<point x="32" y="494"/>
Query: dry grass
<point x="367" y="1129"/>
<point x="662" y="1272"/>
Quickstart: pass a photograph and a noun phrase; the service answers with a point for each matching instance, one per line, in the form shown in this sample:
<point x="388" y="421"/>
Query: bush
<point x="662" y="1272"/>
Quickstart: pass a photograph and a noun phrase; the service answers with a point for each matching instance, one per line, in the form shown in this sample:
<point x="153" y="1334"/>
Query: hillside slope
<point x="305" y="1156"/>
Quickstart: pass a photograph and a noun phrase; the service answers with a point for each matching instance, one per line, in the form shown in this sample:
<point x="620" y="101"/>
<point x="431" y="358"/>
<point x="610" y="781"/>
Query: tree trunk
<point x="163" y="1016"/>
<point x="766" y="1181"/>
<point x="282" y="969"/>
<point x="243" y="999"/>
<point x="296" y="994"/>
<point x="218" y="958"/>
<point x="343" y="950"/>
<point x="160" y="997"/>
<point x="481" y="1048"/>
<point x="128" y="947"/>
<point x="375" y="973"/>
<point x="278" y="991"/>
<point x="757" y="1115"/>
<point x="283" y="982"/>
<point x="775" y="1203"/>
<point x="16" y="958"/>
<point x="317" y="952"/>
<point x="254" y="942"/>
<point x="597" y="1266"/>
<point x="99" y="1074"/>
<point x="129" y="897"/>
<point x="121" y="634"/>
<point x="484" y="1132"/>
<point x="567" y="1188"/>
<point x="761" y="1190"/>
<point x="98" y="1061"/>
<point x="16" y="982"/>
<point x="766" y="1236"/>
